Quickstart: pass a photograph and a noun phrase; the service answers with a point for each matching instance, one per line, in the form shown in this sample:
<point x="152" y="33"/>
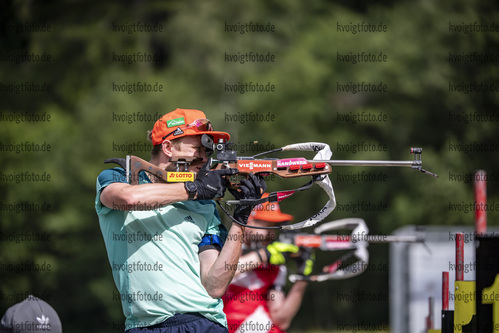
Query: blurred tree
<point x="313" y="73"/>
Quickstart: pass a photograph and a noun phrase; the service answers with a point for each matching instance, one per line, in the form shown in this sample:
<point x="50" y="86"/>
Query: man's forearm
<point x="220" y="273"/>
<point x="121" y="196"/>
<point x="250" y="261"/>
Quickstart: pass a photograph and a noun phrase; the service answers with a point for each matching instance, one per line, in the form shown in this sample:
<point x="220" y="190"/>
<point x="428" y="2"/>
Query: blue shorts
<point x="183" y="323"/>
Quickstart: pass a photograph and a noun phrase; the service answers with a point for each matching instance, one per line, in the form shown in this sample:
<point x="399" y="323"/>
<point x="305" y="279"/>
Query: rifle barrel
<point x="366" y="163"/>
<point x="392" y="239"/>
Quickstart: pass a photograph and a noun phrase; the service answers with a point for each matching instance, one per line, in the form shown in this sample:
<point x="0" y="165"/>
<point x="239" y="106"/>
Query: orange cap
<point x="184" y="122"/>
<point x="270" y="212"/>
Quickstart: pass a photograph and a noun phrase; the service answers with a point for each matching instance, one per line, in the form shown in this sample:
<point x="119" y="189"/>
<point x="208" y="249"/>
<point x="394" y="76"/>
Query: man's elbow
<point x="119" y="200"/>
<point x="129" y="200"/>
<point x="214" y="288"/>
<point x="216" y="292"/>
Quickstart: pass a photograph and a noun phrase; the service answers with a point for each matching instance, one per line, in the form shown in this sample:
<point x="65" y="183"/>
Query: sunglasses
<point x="199" y="125"/>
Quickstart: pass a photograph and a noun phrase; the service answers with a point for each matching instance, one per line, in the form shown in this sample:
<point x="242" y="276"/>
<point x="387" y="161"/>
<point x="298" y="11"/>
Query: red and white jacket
<point x="246" y="299"/>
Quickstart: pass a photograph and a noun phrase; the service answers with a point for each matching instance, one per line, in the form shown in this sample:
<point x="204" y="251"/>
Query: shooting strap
<point x="276" y="196"/>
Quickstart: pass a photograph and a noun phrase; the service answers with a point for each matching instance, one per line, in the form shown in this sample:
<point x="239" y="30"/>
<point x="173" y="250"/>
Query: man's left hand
<point x="251" y="188"/>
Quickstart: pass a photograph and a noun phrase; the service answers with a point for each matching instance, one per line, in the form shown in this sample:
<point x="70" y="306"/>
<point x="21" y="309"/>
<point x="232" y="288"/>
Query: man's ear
<point x="167" y="147"/>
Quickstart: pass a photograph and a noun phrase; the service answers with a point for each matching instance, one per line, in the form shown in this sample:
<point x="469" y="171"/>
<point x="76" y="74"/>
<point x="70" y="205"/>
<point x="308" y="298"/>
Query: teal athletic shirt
<point x="154" y="256"/>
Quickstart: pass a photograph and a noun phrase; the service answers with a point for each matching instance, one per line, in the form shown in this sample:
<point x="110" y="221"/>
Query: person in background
<point x="255" y="299"/>
<point x="31" y="315"/>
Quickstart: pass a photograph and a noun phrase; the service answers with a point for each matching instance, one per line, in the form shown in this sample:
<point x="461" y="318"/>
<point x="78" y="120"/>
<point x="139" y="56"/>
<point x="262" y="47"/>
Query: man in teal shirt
<point x="169" y="254"/>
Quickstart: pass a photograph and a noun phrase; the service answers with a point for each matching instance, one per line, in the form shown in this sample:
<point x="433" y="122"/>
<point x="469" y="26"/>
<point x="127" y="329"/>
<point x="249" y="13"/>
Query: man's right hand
<point x="251" y="188"/>
<point x="212" y="184"/>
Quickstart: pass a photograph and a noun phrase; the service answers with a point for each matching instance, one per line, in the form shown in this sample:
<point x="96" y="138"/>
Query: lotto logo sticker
<point x="176" y="177"/>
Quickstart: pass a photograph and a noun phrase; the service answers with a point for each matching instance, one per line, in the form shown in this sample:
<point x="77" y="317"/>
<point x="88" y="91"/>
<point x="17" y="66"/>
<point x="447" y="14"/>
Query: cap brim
<point x="272" y="217"/>
<point x="216" y="135"/>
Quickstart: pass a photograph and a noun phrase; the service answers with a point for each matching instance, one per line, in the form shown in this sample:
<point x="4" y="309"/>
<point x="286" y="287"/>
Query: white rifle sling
<point x="323" y="153"/>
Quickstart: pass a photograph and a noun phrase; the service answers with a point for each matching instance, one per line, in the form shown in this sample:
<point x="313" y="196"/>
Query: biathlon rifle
<point x="317" y="169"/>
<point x="355" y="261"/>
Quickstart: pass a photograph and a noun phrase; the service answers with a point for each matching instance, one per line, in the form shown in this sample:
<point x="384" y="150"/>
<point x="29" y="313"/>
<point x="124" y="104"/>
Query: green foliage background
<point x="306" y="106"/>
